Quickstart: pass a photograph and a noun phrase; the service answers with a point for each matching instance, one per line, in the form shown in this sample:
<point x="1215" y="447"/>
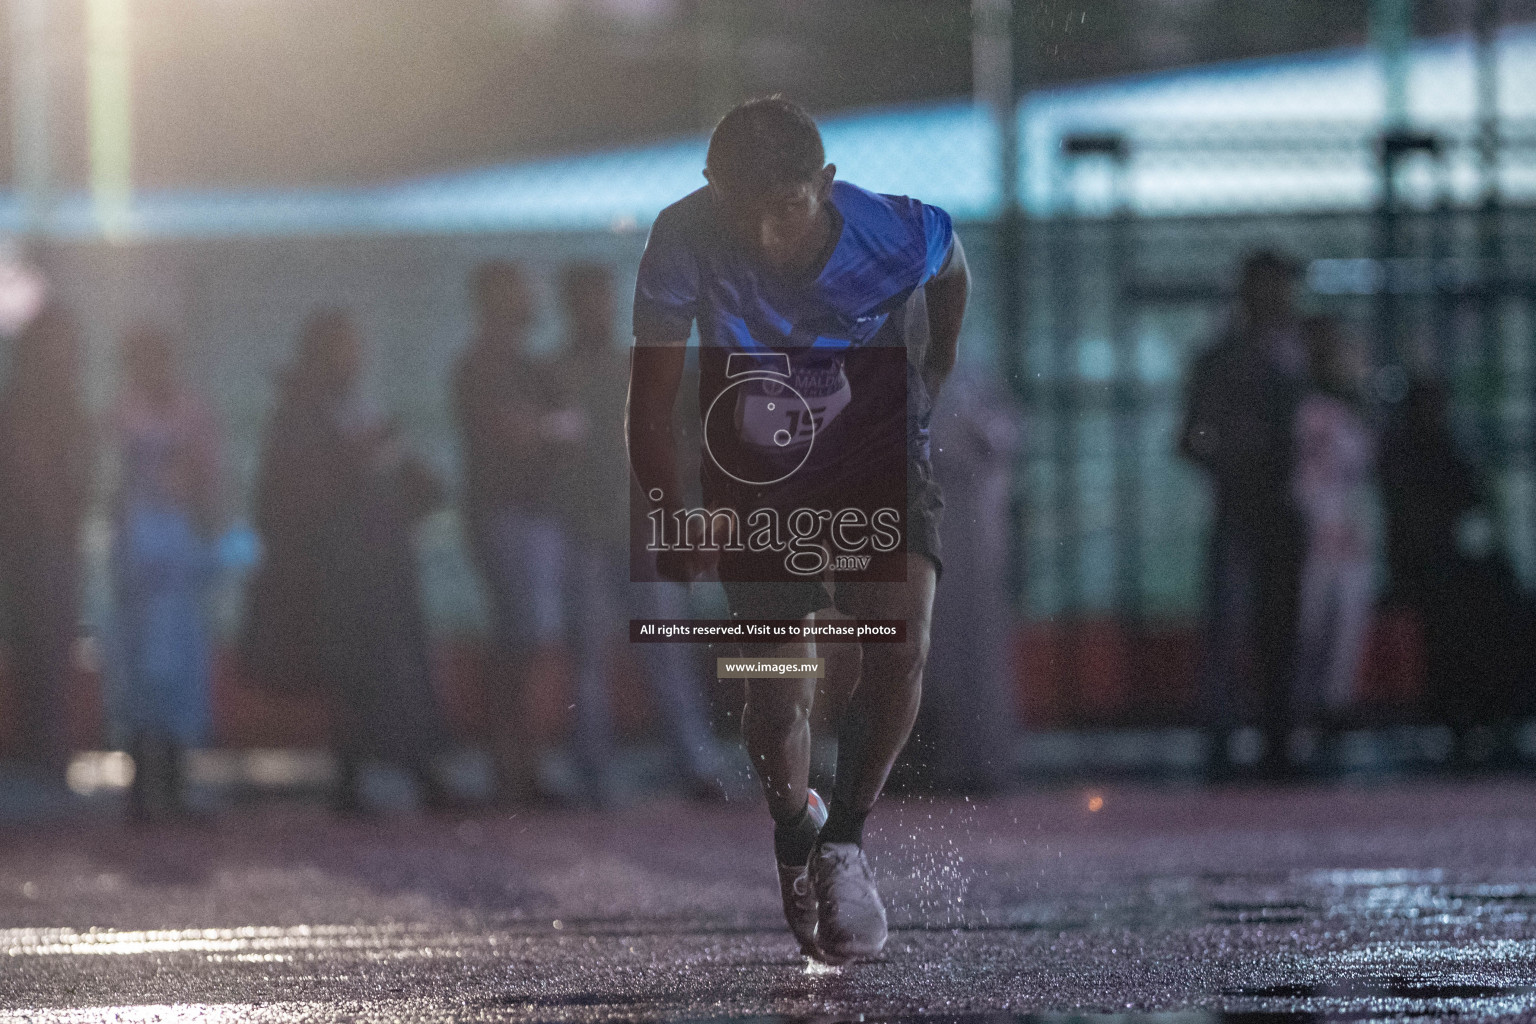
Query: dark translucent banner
<point x="803" y="460"/>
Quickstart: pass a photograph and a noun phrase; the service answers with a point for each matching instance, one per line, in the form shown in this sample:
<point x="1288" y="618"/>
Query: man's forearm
<point x="947" y="295"/>
<point x="653" y="458"/>
<point x="946" y="312"/>
<point x="654" y="377"/>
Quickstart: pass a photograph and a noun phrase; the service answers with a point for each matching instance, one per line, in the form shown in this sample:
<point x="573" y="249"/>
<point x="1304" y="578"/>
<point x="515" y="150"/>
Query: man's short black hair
<point x="763" y="144"/>
<point x="1269" y="264"/>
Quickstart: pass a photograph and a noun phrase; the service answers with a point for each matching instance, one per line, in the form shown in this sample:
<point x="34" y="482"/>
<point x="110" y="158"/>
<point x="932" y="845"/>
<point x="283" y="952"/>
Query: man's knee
<point x="905" y="660"/>
<point x="780" y="706"/>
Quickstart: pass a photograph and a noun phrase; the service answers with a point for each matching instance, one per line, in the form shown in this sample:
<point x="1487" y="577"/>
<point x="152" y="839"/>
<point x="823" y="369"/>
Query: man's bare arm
<point x="946" y="295"/>
<point x="655" y="374"/>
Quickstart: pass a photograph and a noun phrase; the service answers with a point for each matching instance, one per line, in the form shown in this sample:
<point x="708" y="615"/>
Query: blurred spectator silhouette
<point x="1446" y="567"/>
<point x="1335" y="473"/>
<point x="500" y="397"/>
<point x="165" y="515"/>
<point x="336" y="604"/>
<point x="1240" y="407"/>
<point x="46" y="462"/>
<point x="967" y="727"/>
<point x="593" y="491"/>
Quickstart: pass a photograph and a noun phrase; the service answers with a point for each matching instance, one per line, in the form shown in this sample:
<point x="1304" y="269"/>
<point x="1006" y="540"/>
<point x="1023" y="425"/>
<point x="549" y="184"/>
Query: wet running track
<point x="1398" y="900"/>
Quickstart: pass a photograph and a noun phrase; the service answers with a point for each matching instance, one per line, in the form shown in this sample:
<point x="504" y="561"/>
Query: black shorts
<point x="799" y="598"/>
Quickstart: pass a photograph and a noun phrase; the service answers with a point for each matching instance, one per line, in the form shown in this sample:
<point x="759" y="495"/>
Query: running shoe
<point x="850" y="917"/>
<point x="795" y="886"/>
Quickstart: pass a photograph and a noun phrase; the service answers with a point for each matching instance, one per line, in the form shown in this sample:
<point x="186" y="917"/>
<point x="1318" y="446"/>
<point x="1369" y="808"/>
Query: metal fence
<point x="1124" y="255"/>
<point x="1117" y="304"/>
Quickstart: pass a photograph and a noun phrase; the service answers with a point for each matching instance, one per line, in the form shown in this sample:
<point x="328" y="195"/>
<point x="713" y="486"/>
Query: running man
<point x="792" y="277"/>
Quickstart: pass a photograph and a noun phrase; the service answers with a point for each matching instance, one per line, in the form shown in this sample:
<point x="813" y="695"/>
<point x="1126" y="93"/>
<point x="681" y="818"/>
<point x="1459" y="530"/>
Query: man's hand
<point x="694" y="563"/>
<point x="655" y="373"/>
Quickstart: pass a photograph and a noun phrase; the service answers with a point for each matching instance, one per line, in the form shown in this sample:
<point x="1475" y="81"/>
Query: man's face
<point x="779" y="226"/>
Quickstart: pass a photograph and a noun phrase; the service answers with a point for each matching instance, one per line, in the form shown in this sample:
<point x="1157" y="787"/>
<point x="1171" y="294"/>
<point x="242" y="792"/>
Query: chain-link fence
<point x="1120" y="303"/>
<point x="1139" y="201"/>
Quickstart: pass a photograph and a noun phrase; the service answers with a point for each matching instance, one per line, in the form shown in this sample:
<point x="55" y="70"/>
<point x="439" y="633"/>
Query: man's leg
<point x="875" y="725"/>
<point x="522" y="568"/>
<point x="1317" y="614"/>
<point x="672" y="673"/>
<point x="1225" y="683"/>
<point x="46" y="614"/>
<point x="776" y="725"/>
<point x="1275" y="642"/>
<point x="872" y="730"/>
<point x="593" y="625"/>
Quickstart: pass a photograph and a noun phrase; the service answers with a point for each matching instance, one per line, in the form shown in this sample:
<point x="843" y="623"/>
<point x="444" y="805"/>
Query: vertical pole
<point x="1485" y="32"/>
<point x="995" y="87"/>
<point x="110" y="88"/>
<point x="1127" y="410"/>
<point x="994" y="83"/>
<point x="1391" y="30"/>
<point x="717" y="45"/>
<point x="1442" y="293"/>
<point x="1123" y="404"/>
<point x="1067" y="242"/>
<point x="31" y="147"/>
<point x="1491" y="298"/>
<point x="992" y="78"/>
<point x="1386" y="257"/>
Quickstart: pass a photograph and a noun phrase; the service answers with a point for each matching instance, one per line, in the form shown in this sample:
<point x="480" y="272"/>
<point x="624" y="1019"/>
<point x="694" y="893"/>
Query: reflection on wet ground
<point x="1394" y="902"/>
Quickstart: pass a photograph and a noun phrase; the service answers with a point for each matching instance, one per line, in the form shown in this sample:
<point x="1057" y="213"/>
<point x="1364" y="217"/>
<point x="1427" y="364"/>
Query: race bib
<point x="779" y="415"/>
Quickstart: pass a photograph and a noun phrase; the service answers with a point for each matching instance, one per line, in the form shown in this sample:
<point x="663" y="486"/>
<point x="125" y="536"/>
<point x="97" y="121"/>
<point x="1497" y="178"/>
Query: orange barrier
<point x="1095" y="672"/>
<point x="1086" y="673"/>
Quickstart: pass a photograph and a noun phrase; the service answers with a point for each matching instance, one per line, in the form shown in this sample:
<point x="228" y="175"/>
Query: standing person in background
<point x="1240" y="409"/>
<point x="46" y="461"/>
<point x="165" y="515"/>
<point x="594" y="492"/>
<point x="1335" y="464"/>
<point x="337" y="602"/>
<point x="1448" y="568"/>
<point x="500" y="397"/>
